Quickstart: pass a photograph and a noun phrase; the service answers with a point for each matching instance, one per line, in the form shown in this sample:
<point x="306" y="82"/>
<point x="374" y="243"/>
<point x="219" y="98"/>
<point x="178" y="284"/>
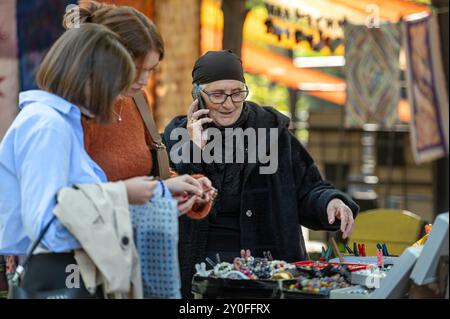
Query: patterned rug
<point x="372" y="74"/>
<point x="427" y="91"/>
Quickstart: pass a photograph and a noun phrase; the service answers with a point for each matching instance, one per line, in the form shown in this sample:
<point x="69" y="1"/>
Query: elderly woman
<point x="256" y="210"/>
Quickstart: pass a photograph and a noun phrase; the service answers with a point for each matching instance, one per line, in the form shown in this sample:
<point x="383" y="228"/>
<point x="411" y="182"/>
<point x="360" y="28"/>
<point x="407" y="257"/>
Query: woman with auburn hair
<point x="43" y="150"/>
<point x="122" y="148"/>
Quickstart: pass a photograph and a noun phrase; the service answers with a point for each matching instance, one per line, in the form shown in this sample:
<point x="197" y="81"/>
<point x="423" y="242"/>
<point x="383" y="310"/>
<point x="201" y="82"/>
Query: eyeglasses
<point x="220" y="97"/>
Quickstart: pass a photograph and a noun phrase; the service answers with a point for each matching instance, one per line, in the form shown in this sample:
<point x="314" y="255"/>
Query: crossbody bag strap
<point x="20" y="269"/>
<point x="157" y="144"/>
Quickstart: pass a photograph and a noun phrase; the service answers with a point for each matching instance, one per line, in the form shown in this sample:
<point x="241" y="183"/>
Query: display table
<point x="304" y="280"/>
<point x="412" y="275"/>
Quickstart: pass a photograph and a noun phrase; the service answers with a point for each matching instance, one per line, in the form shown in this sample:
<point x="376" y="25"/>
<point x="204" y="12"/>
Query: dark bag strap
<point x="21" y="267"/>
<point x="157" y="144"/>
<point x="16" y="292"/>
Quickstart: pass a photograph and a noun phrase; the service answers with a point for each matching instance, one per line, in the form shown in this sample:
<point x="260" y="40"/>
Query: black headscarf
<point x="217" y="65"/>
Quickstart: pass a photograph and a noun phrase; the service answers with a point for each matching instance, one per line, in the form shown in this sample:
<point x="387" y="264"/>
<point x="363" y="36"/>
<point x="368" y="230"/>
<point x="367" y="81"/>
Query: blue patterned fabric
<point x="156" y="236"/>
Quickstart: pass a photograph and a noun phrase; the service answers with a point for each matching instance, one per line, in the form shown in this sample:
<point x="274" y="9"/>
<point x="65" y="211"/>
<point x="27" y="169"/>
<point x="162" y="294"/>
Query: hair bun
<point x="85" y="12"/>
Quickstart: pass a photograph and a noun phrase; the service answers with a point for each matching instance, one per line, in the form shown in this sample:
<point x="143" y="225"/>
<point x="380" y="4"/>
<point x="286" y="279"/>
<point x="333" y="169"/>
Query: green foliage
<point x="422" y="1"/>
<point x="251" y="4"/>
<point x="265" y="92"/>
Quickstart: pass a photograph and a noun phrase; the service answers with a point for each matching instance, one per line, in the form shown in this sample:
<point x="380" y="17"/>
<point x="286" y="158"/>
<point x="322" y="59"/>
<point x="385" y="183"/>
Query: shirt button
<point x="249" y="213"/>
<point x="125" y="240"/>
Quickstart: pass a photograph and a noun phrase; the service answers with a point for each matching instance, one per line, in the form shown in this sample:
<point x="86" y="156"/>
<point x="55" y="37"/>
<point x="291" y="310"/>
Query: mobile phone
<point x="197" y="95"/>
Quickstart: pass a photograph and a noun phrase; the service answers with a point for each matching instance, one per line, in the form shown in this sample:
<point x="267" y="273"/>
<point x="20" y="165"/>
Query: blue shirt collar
<point x="47" y="98"/>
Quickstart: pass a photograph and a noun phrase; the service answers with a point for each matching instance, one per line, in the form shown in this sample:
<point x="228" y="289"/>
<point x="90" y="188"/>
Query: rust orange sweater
<point x="122" y="148"/>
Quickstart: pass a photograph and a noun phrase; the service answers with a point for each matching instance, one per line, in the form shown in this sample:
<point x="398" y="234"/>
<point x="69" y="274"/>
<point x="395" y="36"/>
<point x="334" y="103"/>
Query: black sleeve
<point x="314" y="193"/>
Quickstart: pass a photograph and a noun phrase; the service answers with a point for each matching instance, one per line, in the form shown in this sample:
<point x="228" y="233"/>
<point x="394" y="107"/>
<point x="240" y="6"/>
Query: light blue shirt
<point x="41" y="153"/>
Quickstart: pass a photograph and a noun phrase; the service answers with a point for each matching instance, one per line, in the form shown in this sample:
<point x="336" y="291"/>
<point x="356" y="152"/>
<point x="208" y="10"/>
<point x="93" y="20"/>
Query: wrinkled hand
<point x="209" y="192"/>
<point x="336" y="209"/>
<point x="195" y="125"/>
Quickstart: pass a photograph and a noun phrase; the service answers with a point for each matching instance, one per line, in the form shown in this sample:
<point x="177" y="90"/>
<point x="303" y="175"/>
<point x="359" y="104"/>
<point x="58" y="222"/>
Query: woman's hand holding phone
<point x="195" y="124"/>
